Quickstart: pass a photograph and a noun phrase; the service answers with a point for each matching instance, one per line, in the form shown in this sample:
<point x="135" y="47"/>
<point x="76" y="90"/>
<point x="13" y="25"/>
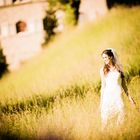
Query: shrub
<point x="3" y="64"/>
<point x="50" y="22"/>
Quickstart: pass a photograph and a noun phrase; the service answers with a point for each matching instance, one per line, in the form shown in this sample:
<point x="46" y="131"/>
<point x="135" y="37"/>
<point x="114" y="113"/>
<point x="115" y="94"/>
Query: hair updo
<point x="108" y="52"/>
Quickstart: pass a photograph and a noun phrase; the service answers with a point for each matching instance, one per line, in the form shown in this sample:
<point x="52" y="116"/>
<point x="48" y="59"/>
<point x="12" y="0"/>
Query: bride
<point x="112" y="81"/>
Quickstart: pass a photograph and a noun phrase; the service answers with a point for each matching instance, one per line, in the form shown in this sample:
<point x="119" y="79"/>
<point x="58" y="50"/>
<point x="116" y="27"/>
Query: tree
<point x="3" y="64"/>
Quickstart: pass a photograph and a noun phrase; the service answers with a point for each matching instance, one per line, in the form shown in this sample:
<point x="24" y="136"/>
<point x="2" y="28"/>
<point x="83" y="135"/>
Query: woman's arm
<point x="126" y="91"/>
<point x="102" y="81"/>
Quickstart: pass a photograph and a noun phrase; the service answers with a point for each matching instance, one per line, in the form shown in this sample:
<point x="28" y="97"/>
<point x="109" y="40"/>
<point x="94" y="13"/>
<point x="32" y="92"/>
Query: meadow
<point x="57" y="94"/>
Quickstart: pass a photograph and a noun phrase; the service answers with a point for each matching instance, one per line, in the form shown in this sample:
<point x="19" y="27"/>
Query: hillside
<point x="57" y="93"/>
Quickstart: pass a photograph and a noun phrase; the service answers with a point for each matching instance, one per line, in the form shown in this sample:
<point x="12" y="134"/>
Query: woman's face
<point x="106" y="58"/>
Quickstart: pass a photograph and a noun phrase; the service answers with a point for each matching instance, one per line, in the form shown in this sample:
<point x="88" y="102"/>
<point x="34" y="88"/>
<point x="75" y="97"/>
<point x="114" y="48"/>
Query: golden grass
<point x="56" y="95"/>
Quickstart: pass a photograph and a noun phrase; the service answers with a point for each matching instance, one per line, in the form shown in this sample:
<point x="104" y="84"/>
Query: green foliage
<point x="63" y="2"/>
<point x="69" y="17"/>
<point x="49" y="22"/>
<point x="70" y="8"/>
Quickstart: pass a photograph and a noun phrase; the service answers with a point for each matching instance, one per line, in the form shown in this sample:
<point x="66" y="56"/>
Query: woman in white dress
<point x="112" y="82"/>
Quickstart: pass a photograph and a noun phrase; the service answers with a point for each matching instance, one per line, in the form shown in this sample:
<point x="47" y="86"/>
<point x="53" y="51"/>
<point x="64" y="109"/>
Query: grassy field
<point x="56" y="95"/>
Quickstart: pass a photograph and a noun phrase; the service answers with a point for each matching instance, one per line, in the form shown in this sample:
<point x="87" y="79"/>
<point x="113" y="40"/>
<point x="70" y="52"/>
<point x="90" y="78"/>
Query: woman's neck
<point x="111" y="67"/>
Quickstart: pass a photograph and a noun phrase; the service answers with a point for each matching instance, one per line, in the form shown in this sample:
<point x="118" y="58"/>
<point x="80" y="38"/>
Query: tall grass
<point x="56" y="95"/>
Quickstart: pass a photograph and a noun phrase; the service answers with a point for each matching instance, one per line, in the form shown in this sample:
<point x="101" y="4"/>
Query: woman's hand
<point x="133" y="103"/>
<point x="131" y="100"/>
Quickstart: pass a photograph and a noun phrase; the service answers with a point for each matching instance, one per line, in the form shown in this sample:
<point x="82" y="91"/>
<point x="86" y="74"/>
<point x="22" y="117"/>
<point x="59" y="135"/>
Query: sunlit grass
<point x="56" y="95"/>
<point x="75" y="117"/>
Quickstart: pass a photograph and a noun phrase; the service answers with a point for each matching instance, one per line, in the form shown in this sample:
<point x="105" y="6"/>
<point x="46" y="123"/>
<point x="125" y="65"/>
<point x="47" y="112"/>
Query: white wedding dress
<point x="111" y="104"/>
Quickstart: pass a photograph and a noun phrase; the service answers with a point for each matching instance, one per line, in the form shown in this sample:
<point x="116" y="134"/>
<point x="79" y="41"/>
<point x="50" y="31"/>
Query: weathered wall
<point x="19" y="47"/>
<point x="26" y="11"/>
<point x="90" y="10"/>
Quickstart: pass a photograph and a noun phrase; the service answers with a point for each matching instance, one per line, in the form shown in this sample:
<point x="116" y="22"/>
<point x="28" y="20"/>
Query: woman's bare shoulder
<point x="101" y="69"/>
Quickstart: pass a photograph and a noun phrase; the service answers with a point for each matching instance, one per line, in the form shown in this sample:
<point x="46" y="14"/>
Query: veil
<point x="117" y="61"/>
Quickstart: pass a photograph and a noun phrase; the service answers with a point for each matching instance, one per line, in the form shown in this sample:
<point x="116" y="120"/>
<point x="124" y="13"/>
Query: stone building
<point x="21" y="26"/>
<point x="21" y="29"/>
<point x="90" y="10"/>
